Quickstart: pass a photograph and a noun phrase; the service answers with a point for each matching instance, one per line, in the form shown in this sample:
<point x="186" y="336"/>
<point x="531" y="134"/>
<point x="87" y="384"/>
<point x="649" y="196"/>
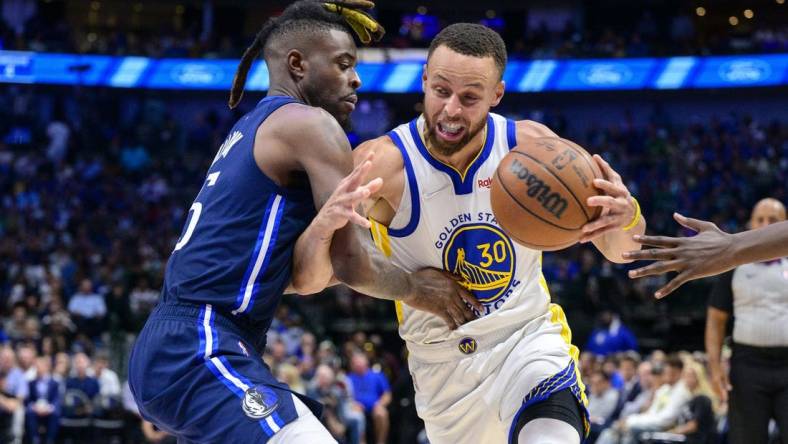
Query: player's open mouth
<point x="450" y="131"/>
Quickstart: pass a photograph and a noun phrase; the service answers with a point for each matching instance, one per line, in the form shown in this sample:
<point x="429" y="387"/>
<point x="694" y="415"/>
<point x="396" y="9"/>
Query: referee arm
<point x="717" y="315"/>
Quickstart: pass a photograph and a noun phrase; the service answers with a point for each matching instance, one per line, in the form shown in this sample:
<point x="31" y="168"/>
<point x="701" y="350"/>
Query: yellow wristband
<point x="636" y="219"/>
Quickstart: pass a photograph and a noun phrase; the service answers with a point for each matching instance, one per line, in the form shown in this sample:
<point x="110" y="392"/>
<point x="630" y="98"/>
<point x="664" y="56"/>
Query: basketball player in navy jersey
<point x="196" y="369"/>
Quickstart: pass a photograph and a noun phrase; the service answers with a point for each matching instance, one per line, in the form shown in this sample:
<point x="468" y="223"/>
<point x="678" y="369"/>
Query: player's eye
<point x="441" y="92"/>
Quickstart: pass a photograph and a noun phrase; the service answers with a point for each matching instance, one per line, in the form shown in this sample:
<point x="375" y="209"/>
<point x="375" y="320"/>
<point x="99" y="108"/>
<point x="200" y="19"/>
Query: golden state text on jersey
<point x="474" y="248"/>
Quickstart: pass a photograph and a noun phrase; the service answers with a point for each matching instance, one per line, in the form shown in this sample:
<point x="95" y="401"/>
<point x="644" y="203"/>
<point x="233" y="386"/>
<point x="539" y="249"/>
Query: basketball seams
<point x="568" y="189"/>
<point x="587" y="157"/>
<point x="503" y="185"/>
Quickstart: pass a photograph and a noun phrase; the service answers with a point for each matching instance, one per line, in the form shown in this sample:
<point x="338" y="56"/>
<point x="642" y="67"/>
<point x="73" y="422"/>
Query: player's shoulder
<point x="386" y="153"/>
<point x="302" y="123"/>
<point x="532" y="128"/>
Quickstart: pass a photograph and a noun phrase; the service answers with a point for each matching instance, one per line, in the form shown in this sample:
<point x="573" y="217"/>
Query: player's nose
<point x="452" y="107"/>
<point x="355" y="80"/>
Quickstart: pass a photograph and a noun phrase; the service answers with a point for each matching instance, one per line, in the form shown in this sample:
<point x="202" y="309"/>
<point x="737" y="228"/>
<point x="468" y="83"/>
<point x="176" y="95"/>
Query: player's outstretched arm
<point x="322" y="151"/>
<point x="612" y="231"/>
<point x="312" y="270"/>
<point x="712" y="251"/>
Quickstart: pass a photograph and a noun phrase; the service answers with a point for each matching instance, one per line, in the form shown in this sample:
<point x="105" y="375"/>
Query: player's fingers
<point x="359" y="220"/>
<point x="650" y="254"/>
<point x="671" y="286"/>
<point x="456" y="314"/>
<point x="467" y="313"/>
<point x="354" y="179"/>
<point x="608" y="171"/>
<point x="599" y="223"/>
<point x="601" y="201"/>
<point x="374" y="185"/>
<point x="610" y="188"/>
<point x="654" y="269"/>
<point x="468" y="297"/>
<point x="656" y="241"/>
<point x="595" y="234"/>
<point x="693" y="224"/>
<point x="448" y="320"/>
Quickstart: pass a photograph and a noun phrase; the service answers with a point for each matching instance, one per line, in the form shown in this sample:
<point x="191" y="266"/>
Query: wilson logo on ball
<point x="537" y="189"/>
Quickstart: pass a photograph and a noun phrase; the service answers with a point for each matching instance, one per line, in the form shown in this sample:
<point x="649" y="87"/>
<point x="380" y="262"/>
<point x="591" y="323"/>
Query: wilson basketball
<point x="539" y="192"/>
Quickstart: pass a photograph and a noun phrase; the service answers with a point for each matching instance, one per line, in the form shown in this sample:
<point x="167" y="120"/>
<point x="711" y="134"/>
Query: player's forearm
<point x="614" y="243"/>
<point x="358" y="264"/>
<point x="312" y="270"/>
<point x="715" y="336"/>
<point x="763" y="244"/>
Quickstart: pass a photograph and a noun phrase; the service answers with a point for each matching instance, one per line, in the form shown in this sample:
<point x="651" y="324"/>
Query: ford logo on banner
<point x="744" y="71"/>
<point x="197" y="74"/>
<point x="605" y="74"/>
<point x="16" y="66"/>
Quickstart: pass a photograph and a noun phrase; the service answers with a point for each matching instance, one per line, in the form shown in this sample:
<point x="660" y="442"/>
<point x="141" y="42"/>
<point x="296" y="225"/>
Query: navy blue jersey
<point x="235" y="251"/>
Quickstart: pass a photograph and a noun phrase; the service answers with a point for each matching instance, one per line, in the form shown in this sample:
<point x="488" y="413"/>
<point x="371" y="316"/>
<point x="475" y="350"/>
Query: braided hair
<point x="307" y="16"/>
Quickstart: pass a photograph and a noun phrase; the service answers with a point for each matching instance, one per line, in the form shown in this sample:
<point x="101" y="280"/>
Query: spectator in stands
<point x="611" y="336"/>
<point x="371" y="390"/>
<point x="62" y="368"/>
<point x="26" y="355"/>
<point x="649" y="378"/>
<point x="109" y="384"/>
<point x="340" y="416"/>
<point x="602" y="401"/>
<point x="81" y="378"/>
<point x="88" y="309"/>
<point x="696" y="420"/>
<point x="43" y="404"/>
<point x="664" y="409"/>
<point x="627" y="368"/>
<point x="13" y="392"/>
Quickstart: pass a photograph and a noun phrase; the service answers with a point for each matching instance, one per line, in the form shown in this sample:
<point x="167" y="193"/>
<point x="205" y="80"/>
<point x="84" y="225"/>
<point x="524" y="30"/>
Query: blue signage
<point x="404" y="76"/>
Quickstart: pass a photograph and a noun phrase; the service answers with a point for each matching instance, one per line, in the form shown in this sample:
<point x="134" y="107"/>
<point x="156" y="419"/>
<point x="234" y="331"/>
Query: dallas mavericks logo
<point x="259" y="402"/>
<point x="484" y="257"/>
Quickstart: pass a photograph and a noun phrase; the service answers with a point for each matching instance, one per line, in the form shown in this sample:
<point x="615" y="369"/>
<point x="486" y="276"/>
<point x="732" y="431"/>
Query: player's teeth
<point x="451" y="128"/>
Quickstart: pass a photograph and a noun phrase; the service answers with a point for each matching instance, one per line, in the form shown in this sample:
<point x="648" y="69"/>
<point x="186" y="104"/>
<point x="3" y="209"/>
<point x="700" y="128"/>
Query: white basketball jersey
<point x="445" y="221"/>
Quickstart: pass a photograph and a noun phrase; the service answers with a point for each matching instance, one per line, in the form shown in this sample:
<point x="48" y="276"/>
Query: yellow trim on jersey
<point x="558" y="317"/>
<point x="380" y="235"/>
<point x="476" y="157"/>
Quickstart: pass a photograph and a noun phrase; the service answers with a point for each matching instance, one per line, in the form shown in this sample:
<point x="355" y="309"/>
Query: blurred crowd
<point x="558" y="32"/>
<point x="95" y="185"/>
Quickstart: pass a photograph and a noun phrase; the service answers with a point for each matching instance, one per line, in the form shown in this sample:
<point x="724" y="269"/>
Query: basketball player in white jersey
<point x="510" y="375"/>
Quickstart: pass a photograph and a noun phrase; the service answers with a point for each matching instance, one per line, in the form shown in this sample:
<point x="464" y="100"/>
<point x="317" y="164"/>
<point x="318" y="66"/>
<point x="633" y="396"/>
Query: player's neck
<point x="462" y="158"/>
<point x="285" y="90"/>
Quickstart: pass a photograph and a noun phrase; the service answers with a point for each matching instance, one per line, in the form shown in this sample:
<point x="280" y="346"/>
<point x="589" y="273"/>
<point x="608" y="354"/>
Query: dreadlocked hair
<point x="308" y="16"/>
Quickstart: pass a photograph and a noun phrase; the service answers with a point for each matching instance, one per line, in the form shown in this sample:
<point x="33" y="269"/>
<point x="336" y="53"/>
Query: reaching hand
<point x="349" y="193"/>
<point x="618" y="209"/>
<point x="706" y="254"/>
<point x="440" y="293"/>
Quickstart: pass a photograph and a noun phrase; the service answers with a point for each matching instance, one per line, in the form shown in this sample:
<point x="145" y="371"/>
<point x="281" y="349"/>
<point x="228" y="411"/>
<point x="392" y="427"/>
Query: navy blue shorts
<point x="196" y="374"/>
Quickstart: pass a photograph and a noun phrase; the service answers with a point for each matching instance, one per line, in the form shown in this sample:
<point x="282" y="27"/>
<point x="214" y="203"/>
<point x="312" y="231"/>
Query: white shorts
<point x="474" y="396"/>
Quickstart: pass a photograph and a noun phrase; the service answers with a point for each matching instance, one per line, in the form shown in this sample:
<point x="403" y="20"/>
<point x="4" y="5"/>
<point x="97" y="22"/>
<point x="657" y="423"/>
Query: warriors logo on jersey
<point x="483" y="256"/>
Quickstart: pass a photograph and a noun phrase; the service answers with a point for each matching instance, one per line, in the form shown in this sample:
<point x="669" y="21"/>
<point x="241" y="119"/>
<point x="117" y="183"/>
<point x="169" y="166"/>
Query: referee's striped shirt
<point x="756" y="295"/>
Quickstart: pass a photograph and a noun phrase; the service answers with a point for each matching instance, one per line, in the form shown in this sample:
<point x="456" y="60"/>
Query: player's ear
<point x="296" y="64"/>
<point x="424" y="78"/>
<point x="498" y="91"/>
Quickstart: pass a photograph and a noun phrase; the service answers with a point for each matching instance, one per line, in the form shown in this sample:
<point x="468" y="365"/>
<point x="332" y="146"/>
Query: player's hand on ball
<point x="440" y="293"/>
<point x="349" y="193"/>
<point x="618" y="209"/>
<point x="696" y="257"/>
